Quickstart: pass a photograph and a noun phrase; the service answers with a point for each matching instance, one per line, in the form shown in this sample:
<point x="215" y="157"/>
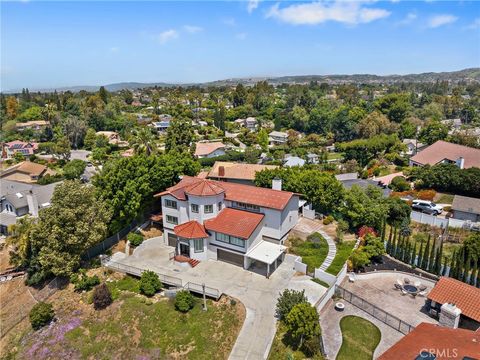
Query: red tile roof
<point x="445" y="343"/>
<point x="204" y="188"/>
<point x="203" y="149"/>
<point x="264" y="197"/>
<point x="233" y="170"/>
<point x="442" y="150"/>
<point x="190" y="230"/>
<point x="464" y="296"/>
<point x="234" y="222"/>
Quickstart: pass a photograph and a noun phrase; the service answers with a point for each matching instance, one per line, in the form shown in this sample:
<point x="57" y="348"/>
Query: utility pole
<point x="204" y="298"/>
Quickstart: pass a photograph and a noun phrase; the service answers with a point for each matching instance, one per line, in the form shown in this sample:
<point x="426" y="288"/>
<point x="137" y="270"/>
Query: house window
<point x="194" y="208"/>
<point x="219" y="206"/>
<point x="198" y="245"/>
<point x="172" y="219"/>
<point x="208" y="209"/>
<point x="170" y="204"/>
<point x="230" y="240"/>
<point x="9" y="208"/>
<point x="245" y="206"/>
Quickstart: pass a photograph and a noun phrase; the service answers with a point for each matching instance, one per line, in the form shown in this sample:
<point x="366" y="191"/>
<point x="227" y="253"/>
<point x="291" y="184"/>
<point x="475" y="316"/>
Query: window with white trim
<point x="208" y="209"/>
<point x="230" y="239"/>
<point x="198" y="245"/>
<point x="219" y="205"/>
<point x="194" y="208"/>
<point x="237" y="241"/>
<point x="172" y="219"/>
<point x="170" y="204"/>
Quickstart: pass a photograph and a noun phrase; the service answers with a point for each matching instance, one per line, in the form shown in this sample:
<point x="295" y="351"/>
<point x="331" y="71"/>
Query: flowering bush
<point x="365" y="230"/>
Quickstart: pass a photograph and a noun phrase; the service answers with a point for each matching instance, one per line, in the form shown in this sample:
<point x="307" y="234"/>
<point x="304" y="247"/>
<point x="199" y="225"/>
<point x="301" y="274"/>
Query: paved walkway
<point x="307" y="227"/>
<point x="257" y="293"/>
<point x="332" y="334"/>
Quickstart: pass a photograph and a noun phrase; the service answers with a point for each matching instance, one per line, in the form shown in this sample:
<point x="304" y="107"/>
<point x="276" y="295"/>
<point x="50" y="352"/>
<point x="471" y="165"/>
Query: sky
<point x="54" y="44"/>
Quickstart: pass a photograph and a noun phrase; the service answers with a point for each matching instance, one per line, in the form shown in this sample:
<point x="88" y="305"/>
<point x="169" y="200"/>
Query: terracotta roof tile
<point x="204" y="188"/>
<point x="464" y="296"/>
<point x="202" y="149"/>
<point x="190" y="230"/>
<point x="442" y="150"/>
<point x="445" y="343"/>
<point x="232" y="170"/>
<point x="263" y="197"/>
<point x="234" y="222"/>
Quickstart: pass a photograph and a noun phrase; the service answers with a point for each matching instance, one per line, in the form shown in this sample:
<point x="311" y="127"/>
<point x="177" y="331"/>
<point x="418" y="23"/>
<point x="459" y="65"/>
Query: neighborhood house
<point x="277" y="138"/>
<point x="26" y="171"/>
<point x="9" y="149"/>
<point x="466" y="208"/>
<point x="236" y="172"/>
<point x="240" y="224"/>
<point x="209" y="149"/>
<point x="443" y="152"/>
<point x="36" y="125"/>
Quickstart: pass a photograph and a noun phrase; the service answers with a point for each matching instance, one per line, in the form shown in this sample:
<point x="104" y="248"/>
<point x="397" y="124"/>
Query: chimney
<point x="460" y="162"/>
<point x="221" y="171"/>
<point x="277" y="184"/>
<point x="32" y="204"/>
<point x="449" y="315"/>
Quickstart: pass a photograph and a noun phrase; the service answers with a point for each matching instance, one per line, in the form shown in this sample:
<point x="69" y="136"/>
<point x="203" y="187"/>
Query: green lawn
<point x="140" y="327"/>
<point x="335" y="156"/>
<point x="321" y="282"/>
<point x="313" y="253"/>
<point x="444" y="198"/>
<point x="343" y="252"/>
<point x="359" y="338"/>
<point x="282" y="350"/>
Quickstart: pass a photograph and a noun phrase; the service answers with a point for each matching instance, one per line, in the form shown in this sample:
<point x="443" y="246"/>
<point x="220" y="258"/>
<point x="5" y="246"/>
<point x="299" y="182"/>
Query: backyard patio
<point x="399" y="294"/>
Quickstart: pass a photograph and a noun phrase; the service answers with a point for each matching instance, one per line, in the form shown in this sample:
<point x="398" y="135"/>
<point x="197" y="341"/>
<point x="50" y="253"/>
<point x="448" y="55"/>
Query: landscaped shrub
<point x="328" y="220"/>
<point x="135" y="239"/>
<point x="287" y="300"/>
<point x="303" y="323"/>
<point x="399" y="183"/>
<point x="41" y="315"/>
<point x="101" y="297"/>
<point x="184" y="301"/>
<point x="426" y="194"/>
<point x="149" y="283"/>
<point x="83" y="282"/>
<point x="364" y="230"/>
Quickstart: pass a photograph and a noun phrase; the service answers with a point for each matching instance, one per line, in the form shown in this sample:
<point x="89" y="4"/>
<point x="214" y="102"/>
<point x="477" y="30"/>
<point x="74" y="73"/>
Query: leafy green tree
<point x="395" y="106"/>
<point x="239" y="95"/>
<point x="287" y="300"/>
<point x="73" y="169"/>
<point x="89" y="140"/>
<point x="179" y="135"/>
<point x="303" y="323"/>
<point x="262" y="139"/>
<point x="433" y="131"/>
<point x="149" y="283"/>
<point x="103" y="93"/>
<point x="184" y="301"/>
<point x="62" y="148"/>
<point x="399" y="183"/>
<point x="41" y="314"/>
<point x="359" y="259"/>
<point x="127" y="185"/>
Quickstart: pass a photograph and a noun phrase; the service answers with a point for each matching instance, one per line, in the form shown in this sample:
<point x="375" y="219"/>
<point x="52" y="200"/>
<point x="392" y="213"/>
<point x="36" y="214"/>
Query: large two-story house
<point x="241" y="224"/>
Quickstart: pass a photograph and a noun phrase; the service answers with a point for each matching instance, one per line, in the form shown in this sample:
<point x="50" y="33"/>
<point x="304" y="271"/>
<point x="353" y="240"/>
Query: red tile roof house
<point x="444" y="152"/>
<point x="241" y="224"/>
<point x="429" y="341"/>
<point x="455" y="303"/>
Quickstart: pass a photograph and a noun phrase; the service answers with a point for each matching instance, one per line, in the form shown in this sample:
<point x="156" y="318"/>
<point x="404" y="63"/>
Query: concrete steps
<point x="332" y="251"/>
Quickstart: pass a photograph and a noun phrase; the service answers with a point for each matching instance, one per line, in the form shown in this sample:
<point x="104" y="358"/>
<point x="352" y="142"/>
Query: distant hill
<point x="466" y="75"/>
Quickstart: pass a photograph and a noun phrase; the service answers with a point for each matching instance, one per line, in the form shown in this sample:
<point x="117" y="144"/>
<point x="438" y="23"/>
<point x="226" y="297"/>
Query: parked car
<point x="427" y="207"/>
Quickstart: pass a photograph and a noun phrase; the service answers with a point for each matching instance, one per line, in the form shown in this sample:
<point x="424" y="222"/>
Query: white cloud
<point x="475" y="25"/>
<point x="252" y="5"/>
<point x="192" y="29"/>
<point x="167" y="35"/>
<point x="408" y="19"/>
<point x="440" y="20"/>
<point x="347" y="12"/>
<point x="241" y="36"/>
<point x="229" y="21"/>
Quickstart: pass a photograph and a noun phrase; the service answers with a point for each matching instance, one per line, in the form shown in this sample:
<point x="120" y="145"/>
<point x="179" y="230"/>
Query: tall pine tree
<point x="425" y="255"/>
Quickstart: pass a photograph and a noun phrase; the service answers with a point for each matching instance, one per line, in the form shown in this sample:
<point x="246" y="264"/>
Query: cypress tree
<point x="384" y="228"/>
<point x="451" y="273"/>
<point x="406" y="258"/>
<point x="414" y="255"/>
<point x="445" y="265"/>
<point x="420" y="253"/>
<point x="438" y="259"/>
<point x="474" y="273"/>
<point x="431" y="260"/>
<point x="466" y="271"/>
<point x="425" y="255"/>
<point x="389" y="248"/>
<point x="478" y="279"/>
<point x="394" y="250"/>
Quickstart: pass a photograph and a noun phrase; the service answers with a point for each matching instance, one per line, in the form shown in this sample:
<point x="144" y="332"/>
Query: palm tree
<point x="20" y="240"/>
<point x="143" y="141"/>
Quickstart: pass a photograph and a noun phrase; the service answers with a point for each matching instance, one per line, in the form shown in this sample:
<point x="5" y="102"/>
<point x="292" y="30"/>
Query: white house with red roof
<point x="241" y="224"/>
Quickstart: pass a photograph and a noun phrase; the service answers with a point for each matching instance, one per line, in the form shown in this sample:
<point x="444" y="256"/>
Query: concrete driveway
<point x="256" y="292"/>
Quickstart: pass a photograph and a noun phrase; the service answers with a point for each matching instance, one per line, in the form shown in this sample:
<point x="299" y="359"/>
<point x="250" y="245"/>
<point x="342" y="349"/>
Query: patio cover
<point x="266" y="252"/>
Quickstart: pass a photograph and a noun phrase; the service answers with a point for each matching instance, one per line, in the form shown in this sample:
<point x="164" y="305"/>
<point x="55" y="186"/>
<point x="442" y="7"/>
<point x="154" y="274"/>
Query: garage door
<point x="172" y="239"/>
<point x="230" y="257"/>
